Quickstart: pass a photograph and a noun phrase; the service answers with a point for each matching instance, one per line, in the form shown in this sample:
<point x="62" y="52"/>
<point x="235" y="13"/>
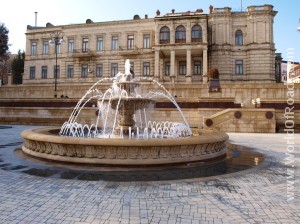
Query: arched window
<point x="196" y="33"/>
<point x="238" y="38"/>
<point x="180" y="34"/>
<point x="164" y="35"/>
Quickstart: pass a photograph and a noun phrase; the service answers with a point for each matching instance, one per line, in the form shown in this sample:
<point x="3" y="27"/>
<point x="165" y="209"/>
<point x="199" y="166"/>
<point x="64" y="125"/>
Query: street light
<point x="57" y="38"/>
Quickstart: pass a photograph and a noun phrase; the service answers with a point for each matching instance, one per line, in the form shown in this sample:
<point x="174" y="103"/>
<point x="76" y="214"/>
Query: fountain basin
<point x="46" y="144"/>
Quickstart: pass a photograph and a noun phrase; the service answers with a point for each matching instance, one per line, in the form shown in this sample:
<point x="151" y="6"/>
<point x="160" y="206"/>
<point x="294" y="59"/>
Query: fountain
<point x="123" y="132"/>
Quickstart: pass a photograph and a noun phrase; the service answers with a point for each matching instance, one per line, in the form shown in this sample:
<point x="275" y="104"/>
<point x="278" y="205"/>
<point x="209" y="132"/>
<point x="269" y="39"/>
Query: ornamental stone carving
<point x="203" y="146"/>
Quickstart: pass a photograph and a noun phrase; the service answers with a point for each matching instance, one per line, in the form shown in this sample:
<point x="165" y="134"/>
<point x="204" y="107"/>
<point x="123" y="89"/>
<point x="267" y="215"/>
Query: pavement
<point x="268" y="193"/>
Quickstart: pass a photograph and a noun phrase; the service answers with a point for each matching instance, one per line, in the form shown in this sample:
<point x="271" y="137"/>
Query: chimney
<point x="35" y="19"/>
<point x="173" y="10"/>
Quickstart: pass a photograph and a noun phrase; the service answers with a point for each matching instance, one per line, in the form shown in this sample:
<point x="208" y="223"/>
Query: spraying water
<point x="122" y="112"/>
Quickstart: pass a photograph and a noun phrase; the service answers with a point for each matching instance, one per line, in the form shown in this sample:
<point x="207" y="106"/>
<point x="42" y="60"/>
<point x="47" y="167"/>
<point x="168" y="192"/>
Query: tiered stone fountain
<point x="127" y="106"/>
<point x="124" y="141"/>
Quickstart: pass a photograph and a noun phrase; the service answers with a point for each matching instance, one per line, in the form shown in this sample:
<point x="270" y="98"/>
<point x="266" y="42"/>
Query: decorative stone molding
<point x="269" y="115"/>
<point x="209" y="122"/>
<point x="238" y="114"/>
<point x="41" y="143"/>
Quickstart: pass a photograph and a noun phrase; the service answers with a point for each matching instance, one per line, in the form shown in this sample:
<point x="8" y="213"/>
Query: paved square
<point x="259" y="195"/>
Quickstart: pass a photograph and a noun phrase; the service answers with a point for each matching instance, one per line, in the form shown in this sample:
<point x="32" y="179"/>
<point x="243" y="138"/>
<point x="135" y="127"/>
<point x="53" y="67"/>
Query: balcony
<point x="131" y="51"/>
<point x="82" y="54"/>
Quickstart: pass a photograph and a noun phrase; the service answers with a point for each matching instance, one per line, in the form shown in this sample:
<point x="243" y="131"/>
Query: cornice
<point x="85" y="25"/>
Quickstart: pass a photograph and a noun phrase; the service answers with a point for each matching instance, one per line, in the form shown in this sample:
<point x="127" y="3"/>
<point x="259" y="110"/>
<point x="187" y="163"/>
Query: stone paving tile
<point x="254" y="196"/>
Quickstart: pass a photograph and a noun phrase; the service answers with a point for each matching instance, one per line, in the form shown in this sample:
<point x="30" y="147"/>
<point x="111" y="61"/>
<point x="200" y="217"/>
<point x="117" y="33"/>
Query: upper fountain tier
<point x="125" y="83"/>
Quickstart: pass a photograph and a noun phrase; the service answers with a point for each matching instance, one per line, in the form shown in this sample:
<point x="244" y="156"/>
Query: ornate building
<point x="178" y="47"/>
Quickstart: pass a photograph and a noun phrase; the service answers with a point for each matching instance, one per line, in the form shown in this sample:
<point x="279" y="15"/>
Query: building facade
<point x="175" y="47"/>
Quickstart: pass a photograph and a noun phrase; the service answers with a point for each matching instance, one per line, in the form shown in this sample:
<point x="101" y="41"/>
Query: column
<point x="157" y="30"/>
<point x="172" y="33"/>
<point x="188" y="66"/>
<point x="156" y="65"/>
<point x="254" y="32"/>
<point x="172" y="72"/>
<point x="204" y="72"/>
<point x="188" y="32"/>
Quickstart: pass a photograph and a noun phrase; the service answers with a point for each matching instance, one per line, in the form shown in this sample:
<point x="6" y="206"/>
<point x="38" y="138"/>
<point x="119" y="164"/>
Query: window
<point x="70" y="71"/>
<point x="114" y="69"/>
<point x="32" y="72"/>
<point x="146" y="41"/>
<point x="58" y="48"/>
<point x="239" y="70"/>
<point x="164" y="35"/>
<point x="84" y="71"/>
<point x="71" y="45"/>
<point x="146" y="68"/>
<point x="180" y="34"/>
<point x="56" y="71"/>
<point x="85" y="45"/>
<point x="196" y="33"/>
<point x="132" y="69"/>
<point x="197" y="68"/>
<point x="33" y="48"/>
<point x="114" y="45"/>
<point x="99" y="70"/>
<point x="45" y="47"/>
<point x="239" y="38"/>
<point x="130" y="42"/>
<point x="99" y="43"/>
<point x="44" y="72"/>
<point x="167" y="68"/>
<point x="182" y="68"/>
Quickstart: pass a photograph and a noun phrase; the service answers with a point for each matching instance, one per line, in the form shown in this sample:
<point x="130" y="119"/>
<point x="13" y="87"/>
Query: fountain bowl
<point x="45" y="143"/>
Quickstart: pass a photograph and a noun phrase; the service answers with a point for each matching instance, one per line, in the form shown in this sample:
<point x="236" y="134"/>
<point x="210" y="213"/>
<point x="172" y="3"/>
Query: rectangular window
<point x="71" y="45"/>
<point x="114" y="69"/>
<point x="167" y="68"/>
<point x="239" y="68"/>
<point x="84" y="71"/>
<point x="58" y="48"/>
<point x="114" y="45"/>
<point x="33" y="48"/>
<point x="45" y="47"/>
<point x="100" y="43"/>
<point x="146" y="68"/>
<point x="44" y="72"/>
<point x="56" y="71"/>
<point x="99" y="69"/>
<point x="130" y="42"/>
<point x="182" y="68"/>
<point x="132" y="69"/>
<point x="197" y="68"/>
<point x="85" y="45"/>
<point x="70" y="71"/>
<point x="32" y="72"/>
<point x="146" y="41"/>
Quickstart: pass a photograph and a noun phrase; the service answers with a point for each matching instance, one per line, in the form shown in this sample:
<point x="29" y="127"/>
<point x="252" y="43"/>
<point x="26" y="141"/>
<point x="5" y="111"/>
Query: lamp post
<point x="57" y="38"/>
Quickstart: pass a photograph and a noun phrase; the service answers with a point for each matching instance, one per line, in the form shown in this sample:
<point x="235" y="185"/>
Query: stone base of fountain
<point x="45" y="143"/>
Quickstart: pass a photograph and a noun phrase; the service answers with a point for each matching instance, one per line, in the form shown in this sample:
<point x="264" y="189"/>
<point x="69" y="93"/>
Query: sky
<point x="19" y="14"/>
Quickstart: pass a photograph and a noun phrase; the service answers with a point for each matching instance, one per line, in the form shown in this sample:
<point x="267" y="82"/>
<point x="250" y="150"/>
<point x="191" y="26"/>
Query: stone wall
<point x="242" y="120"/>
<point x="27" y="104"/>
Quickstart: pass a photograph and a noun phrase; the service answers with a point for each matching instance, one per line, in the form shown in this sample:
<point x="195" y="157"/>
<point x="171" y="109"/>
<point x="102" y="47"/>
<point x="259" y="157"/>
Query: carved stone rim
<point x="43" y="144"/>
<point x="44" y="134"/>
